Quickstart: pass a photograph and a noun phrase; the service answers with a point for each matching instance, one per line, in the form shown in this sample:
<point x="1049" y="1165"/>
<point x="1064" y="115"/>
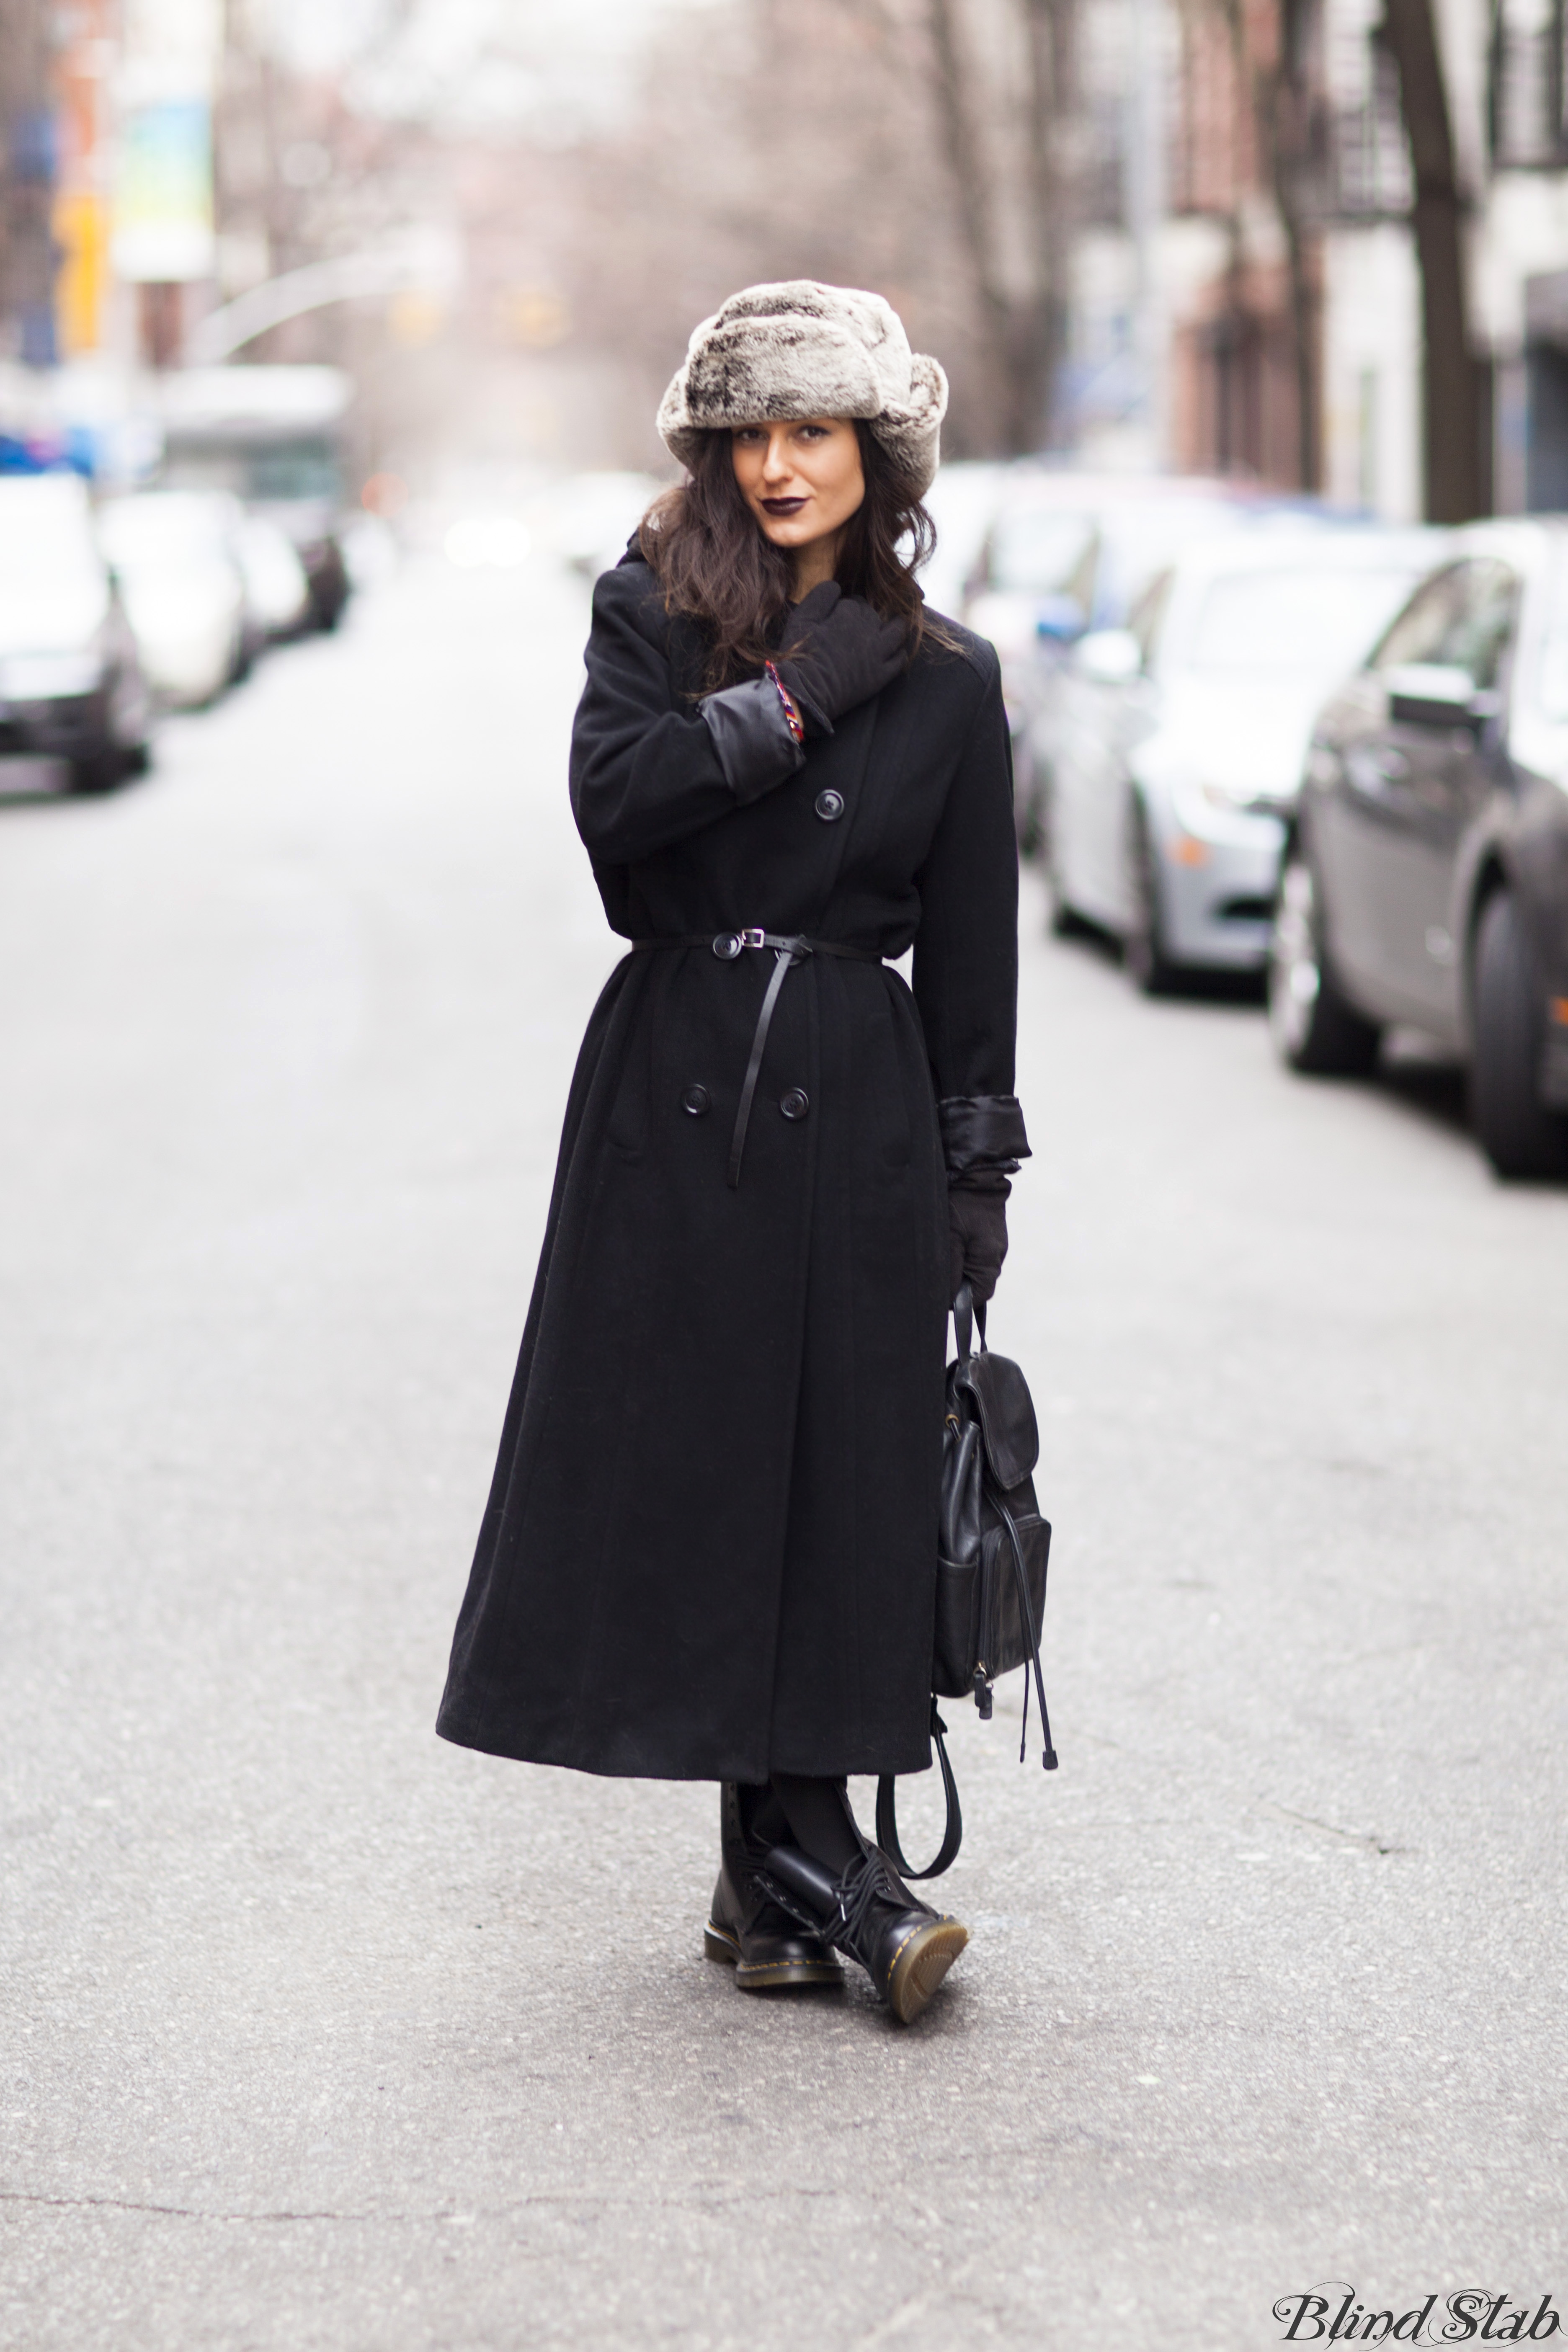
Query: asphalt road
<point x="320" y="2033"/>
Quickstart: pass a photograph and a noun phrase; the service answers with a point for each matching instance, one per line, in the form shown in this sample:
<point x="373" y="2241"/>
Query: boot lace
<point x="875" y="1883"/>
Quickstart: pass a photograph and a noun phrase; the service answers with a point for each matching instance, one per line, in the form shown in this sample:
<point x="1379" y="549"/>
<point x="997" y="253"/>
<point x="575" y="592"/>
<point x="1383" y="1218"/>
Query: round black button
<point x="727" y="946"/>
<point x="829" y="806"/>
<point x="795" y="1104"/>
<point x="696" y="1099"/>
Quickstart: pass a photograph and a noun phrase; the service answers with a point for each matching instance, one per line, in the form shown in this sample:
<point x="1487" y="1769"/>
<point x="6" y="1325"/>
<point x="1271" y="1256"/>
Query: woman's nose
<point x="778" y="461"/>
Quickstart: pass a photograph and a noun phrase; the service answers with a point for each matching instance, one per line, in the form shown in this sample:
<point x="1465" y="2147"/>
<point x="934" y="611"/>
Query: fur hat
<point x="805" y="350"/>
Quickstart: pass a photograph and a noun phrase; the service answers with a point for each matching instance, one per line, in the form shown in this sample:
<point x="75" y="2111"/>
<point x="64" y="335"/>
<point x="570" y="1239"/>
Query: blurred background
<point x="1181" y="233"/>
<point x="293" y="291"/>
<point x="331" y="334"/>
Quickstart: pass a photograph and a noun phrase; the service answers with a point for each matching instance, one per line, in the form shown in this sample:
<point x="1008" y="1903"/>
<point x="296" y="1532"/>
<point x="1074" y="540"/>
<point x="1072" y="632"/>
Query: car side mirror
<point x="1437" y="694"/>
<point x="1108" y="656"/>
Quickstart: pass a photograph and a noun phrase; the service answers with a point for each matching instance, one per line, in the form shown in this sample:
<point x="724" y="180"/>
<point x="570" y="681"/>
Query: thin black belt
<point x="789" y="949"/>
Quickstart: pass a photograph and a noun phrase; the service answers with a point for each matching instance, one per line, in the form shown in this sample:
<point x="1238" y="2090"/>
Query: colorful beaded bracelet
<point x="793" y="719"/>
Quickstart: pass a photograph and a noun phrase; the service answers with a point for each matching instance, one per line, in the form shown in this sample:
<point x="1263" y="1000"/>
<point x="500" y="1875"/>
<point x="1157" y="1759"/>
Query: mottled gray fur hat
<point x="805" y="350"/>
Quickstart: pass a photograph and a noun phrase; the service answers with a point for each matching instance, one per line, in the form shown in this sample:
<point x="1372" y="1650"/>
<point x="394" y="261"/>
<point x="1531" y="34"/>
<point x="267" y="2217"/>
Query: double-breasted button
<point x="696" y="1099"/>
<point x="829" y="806"/>
<point x="727" y="946"/>
<point x="795" y="1104"/>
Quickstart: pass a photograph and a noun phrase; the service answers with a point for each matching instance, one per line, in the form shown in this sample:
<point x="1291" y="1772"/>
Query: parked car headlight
<point x="50" y="677"/>
<point x="1235" y="796"/>
<point x="1212" y="808"/>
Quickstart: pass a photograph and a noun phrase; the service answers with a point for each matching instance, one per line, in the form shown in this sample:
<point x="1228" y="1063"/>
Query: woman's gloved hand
<point x="977" y="1232"/>
<point x="838" y="652"/>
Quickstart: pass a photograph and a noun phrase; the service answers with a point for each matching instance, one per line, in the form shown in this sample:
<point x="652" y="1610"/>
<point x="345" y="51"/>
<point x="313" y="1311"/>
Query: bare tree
<point x="714" y="185"/>
<point x="1021" y="321"/>
<point x="930" y="165"/>
<point x="1282" y="101"/>
<point x="1450" y="386"/>
<point x="1273" y="97"/>
<point x="1274" y="78"/>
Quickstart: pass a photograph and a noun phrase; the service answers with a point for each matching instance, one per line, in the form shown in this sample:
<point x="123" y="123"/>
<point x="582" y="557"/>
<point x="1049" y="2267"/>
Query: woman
<point x="710" y="1551"/>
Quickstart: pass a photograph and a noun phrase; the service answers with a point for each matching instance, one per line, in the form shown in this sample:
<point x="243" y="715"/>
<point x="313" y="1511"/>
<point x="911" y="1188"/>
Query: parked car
<point x="1425" y="876"/>
<point x="1180" y="739"/>
<point x="962" y="503"/>
<point x="273" y="436"/>
<point x="1066" y="553"/>
<point x="176" y="556"/>
<point x="277" y="591"/>
<point x="71" y="684"/>
<point x="585" y="520"/>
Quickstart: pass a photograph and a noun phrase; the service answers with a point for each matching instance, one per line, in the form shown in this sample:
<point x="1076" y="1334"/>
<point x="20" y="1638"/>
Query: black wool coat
<point x="709" y="1548"/>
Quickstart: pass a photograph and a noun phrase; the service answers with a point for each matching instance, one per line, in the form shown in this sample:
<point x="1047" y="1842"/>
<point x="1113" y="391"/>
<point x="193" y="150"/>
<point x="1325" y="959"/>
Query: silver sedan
<point x="1178" y="742"/>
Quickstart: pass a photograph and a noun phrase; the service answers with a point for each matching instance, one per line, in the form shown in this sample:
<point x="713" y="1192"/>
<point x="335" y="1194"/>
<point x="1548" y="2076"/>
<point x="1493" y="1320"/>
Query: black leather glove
<point x="752" y="737"/>
<point x="977" y="1232"/>
<point x="838" y="652"/>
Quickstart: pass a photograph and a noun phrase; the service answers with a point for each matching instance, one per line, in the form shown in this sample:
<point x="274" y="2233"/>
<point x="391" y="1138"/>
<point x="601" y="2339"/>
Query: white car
<point x="1065" y="552"/>
<point x="71" y="686"/>
<point x="1179" y="741"/>
<point x="277" y="591"/>
<point x="583" y="521"/>
<point x="962" y="503"/>
<point x="175" y="555"/>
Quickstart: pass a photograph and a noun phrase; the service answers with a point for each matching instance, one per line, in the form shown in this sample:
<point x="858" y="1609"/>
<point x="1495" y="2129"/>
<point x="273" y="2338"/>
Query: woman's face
<point x="802" y="480"/>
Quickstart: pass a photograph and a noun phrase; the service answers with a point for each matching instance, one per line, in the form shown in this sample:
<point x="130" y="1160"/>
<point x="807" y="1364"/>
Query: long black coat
<point x="709" y="1547"/>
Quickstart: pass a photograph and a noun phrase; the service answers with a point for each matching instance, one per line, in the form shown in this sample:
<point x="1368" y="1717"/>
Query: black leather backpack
<point x="993" y="1553"/>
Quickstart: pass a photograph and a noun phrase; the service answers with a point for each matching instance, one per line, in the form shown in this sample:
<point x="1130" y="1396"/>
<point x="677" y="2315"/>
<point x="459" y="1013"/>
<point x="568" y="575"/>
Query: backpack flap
<point x="1005" y="1412"/>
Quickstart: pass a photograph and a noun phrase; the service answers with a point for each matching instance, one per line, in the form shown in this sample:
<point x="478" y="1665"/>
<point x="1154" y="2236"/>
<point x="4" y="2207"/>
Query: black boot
<point x="762" y="1941"/>
<point x="905" y="1948"/>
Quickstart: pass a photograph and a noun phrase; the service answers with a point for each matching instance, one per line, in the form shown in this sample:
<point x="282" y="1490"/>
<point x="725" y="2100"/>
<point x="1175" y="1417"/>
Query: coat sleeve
<point x="966" y="950"/>
<point x="647" y="769"/>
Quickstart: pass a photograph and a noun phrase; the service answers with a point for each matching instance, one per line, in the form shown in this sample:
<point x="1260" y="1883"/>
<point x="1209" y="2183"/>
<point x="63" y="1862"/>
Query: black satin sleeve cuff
<point x="752" y="737"/>
<point x="982" y="1131"/>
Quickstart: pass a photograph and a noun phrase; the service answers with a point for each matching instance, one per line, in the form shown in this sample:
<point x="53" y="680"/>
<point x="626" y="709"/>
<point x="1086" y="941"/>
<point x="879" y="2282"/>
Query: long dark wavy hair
<point x="714" y="565"/>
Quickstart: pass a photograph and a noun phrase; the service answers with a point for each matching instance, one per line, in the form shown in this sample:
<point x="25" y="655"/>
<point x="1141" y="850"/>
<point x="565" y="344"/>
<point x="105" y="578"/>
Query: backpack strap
<point x="998" y="1502"/>
<point x="967" y="1311"/>
<point x="953" y="1829"/>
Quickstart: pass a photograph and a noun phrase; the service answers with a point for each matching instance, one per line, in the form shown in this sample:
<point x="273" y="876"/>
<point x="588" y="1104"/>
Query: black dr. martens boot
<point x="763" y="1943"/>
<point x="905" y="1948"/>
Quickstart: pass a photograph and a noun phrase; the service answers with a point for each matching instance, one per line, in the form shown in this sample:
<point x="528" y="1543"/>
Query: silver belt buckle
<point x="753" y="939"/>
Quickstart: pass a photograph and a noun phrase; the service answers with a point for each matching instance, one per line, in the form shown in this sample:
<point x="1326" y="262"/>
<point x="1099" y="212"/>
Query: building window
<point x="1524" y="86"/>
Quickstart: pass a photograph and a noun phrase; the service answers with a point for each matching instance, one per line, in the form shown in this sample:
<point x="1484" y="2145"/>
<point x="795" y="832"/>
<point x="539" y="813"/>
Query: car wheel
<point x="1314" y="1028"/>
<point x="1149" y="966"/>
<point x="1518" y="1134"/>
<point x="131" y="720"/>
<point x="99" y="770"/>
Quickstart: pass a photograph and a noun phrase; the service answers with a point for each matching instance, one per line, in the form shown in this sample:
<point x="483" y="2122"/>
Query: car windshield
<point x="1142" y="538"/>
<point x="164" y="526"/>
<point x="260" y="472"/>
<point x="1305" y="623"/>
<point x="1034" y="551"/>
<point x="45" y="532"/>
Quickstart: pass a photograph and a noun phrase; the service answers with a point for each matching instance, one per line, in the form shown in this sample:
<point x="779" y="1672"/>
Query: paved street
<point x="322" y="2036"/>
